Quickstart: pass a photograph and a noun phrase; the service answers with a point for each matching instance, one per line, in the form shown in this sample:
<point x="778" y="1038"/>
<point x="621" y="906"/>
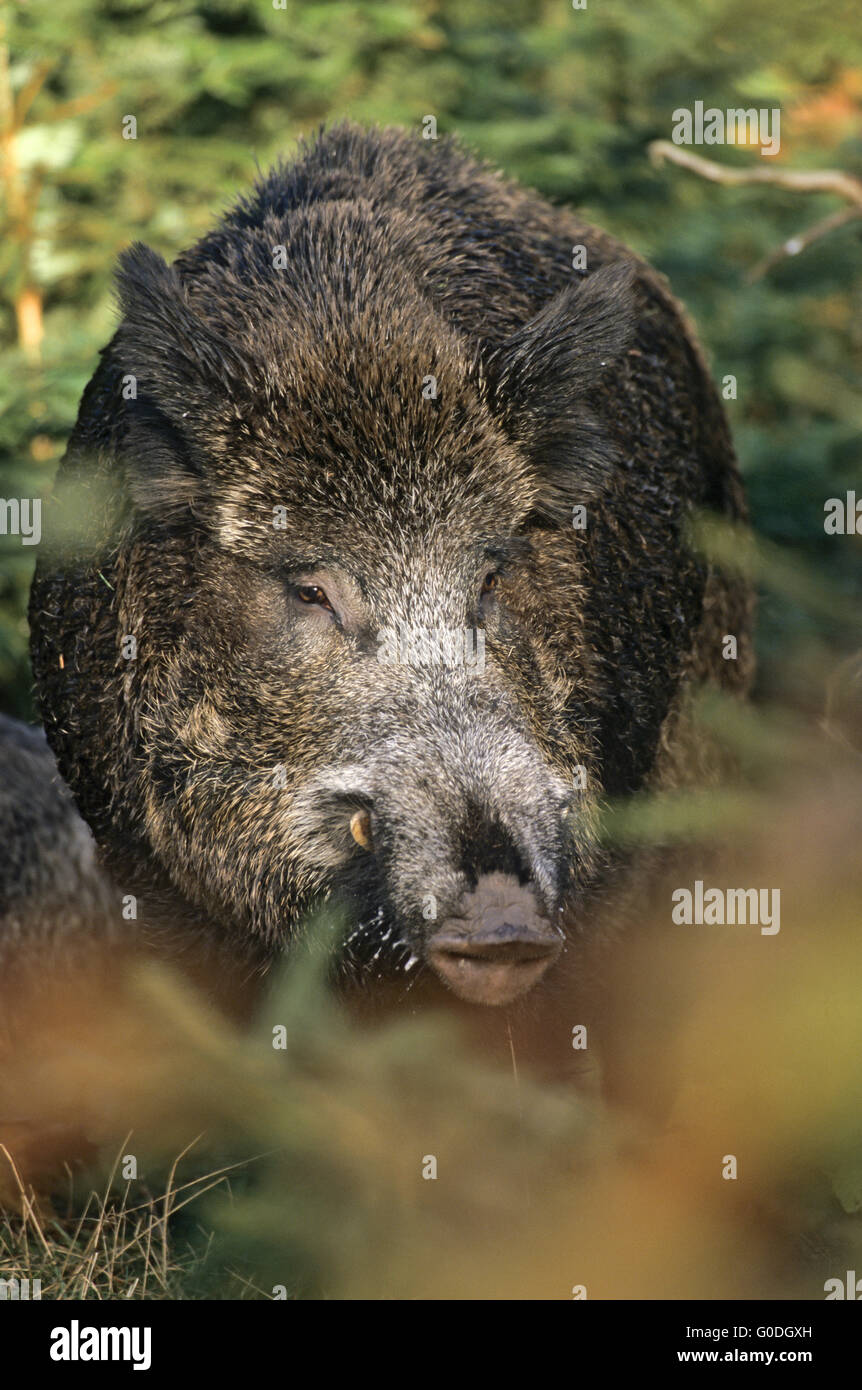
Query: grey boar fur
<point x="222" y="765"/>
<point x="51" y="884"/>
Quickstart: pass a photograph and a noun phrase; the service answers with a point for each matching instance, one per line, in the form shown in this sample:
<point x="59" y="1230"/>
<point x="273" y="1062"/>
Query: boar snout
<point x="497" y="946"/>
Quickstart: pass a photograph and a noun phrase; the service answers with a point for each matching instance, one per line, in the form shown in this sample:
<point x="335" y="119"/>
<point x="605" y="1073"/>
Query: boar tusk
<point x="360" y="829"/>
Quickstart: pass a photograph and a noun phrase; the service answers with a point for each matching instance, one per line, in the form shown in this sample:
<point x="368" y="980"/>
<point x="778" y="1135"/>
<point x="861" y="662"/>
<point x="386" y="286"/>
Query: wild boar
<point x="386" y="588"/>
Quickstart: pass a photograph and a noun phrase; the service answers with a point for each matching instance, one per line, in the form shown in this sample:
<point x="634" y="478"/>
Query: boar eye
<point x="490" y="582"/>
<point x="313" y="594"/>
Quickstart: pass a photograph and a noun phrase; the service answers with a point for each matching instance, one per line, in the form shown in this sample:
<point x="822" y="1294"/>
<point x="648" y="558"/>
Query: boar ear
<point x="179" y="354"/>
<point x="183" y="371"/>
<point x="164" y="470"/>
<point x="541" y="382"/>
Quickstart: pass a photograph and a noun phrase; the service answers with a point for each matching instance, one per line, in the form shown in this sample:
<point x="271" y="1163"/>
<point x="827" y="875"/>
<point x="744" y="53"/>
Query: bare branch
<point x="801" y="181"/>
<point x="78" y="105"/>
<point x="29" y="92"/>
<point x="802" y="240"/>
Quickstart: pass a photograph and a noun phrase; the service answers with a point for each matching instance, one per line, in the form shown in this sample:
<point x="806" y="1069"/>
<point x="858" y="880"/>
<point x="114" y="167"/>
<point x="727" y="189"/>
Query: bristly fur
<point x="385" y="344"/>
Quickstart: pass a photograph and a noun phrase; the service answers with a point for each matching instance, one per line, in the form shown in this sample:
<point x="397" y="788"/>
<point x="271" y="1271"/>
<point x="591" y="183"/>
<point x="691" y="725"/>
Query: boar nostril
<point x="360" y="829"/>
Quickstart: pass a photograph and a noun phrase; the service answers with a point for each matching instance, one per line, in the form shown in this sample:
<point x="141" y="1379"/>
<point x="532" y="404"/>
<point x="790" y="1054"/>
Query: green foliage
<point x="564" y="100"/>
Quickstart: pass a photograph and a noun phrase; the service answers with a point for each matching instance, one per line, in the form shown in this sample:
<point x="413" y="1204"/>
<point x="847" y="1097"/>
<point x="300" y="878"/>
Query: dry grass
<point x="111" y="1246"/>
